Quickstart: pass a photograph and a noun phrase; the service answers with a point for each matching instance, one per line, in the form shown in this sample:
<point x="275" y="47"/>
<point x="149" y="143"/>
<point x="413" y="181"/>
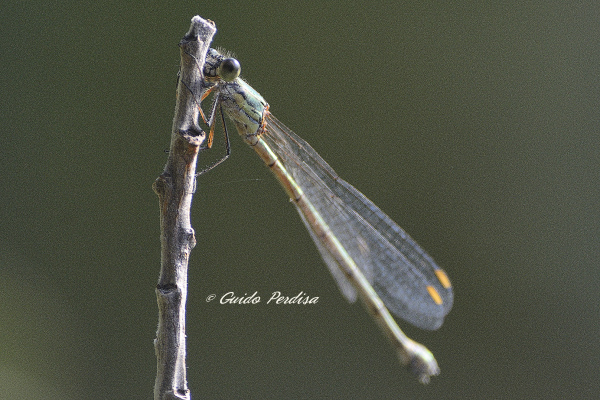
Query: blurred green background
<point x="474" y="126"/>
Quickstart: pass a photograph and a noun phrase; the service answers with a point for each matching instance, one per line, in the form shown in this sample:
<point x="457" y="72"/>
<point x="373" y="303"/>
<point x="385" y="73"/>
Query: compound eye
<point x="229" y="69"/>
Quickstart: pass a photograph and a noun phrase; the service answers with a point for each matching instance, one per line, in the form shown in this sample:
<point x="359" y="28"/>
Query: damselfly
<point x="368" y="254"/>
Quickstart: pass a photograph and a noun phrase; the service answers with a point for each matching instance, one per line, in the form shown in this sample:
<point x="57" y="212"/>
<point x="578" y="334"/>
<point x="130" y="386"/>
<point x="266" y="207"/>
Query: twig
<point x="175" y="188"/>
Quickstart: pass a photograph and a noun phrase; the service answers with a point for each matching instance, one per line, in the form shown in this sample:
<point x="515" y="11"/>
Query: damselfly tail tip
<point x="419" y="361"/>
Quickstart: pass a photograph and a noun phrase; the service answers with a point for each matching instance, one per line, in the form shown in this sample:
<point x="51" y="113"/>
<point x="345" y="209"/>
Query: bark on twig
<point x="175" y="188"/>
